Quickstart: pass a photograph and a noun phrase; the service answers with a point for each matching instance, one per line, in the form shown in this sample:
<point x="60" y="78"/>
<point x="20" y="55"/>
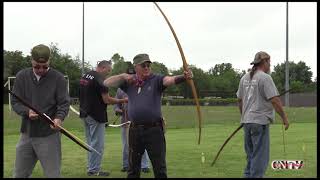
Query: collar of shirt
<point x="37" y="76"/>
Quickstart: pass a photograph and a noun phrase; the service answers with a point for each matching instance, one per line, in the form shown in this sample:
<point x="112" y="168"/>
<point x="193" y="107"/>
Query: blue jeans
<point x="125" y="150"/>
<point x="256" y="144"/>
<point x="95" y="138"/>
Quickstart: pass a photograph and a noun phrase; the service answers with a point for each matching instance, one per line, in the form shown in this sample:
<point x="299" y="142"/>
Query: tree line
<point x="222" y="80"/>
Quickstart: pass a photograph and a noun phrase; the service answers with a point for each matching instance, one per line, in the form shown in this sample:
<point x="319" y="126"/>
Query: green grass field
<point x="183" y="152"/>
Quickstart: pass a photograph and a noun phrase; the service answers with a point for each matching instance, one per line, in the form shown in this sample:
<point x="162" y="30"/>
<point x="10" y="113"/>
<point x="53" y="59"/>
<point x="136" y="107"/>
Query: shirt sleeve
<point x="98" y="84"/>
<point x="101" y="87"/>
<point x="18" y="89"/>
<point x="124" y="86"/>
<point x="240" y="90"/>
<point x="117" y="106"/>
<point x="160" y="82"/>
<point x="269" y="88"/>
<point x="63" y="99"/>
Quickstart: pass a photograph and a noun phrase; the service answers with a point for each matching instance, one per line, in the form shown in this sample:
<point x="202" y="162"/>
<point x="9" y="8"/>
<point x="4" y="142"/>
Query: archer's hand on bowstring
<point x="130" y="79"/>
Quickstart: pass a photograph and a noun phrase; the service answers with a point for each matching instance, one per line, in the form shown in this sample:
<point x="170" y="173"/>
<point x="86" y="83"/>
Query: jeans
<point x="125" y="150"/>
<point x="256" y="144"/>
<point x="95" y="138"/>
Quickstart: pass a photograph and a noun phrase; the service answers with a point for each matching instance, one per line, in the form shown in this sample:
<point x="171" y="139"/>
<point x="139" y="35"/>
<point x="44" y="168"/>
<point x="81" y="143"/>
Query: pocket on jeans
<point x="90" y="120"/>
<point x="256" y="129"/>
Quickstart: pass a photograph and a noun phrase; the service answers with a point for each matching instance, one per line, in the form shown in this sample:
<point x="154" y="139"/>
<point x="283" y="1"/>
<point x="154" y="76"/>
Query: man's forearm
<point x="173" y="80"/>
<point x="19" y="108"/>
<point x="277" y="105"/>
<point x="280" y="111"/>
<point x="112" y="100"/>
<point x="179" y="79"/>
<point x="115" y="81"/>
<point x="240" y="105"/>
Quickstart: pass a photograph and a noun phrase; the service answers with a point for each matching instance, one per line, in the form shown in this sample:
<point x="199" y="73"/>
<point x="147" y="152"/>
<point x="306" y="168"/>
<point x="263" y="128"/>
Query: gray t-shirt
<point x="256" y="95"/>
<point x="123" y="106"/>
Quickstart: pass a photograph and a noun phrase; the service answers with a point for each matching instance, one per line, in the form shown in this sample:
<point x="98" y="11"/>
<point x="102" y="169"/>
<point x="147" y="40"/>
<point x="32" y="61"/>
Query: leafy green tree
<point x="117" y="58"/>
<point x="119" y="65"/>
<point x="300" y="76"/>
<point x="159" y="68"/>
<point x="224" y="80"/>
<point x="69" y="67"/>
<point x="297" y="86"/>
<point x="220" y="69"/>
<point x="200" y="79"/>
<point x="13" y="62"/>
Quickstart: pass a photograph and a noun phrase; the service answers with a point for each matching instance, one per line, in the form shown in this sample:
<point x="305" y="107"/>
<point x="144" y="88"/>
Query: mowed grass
<point x="183" y="152"/>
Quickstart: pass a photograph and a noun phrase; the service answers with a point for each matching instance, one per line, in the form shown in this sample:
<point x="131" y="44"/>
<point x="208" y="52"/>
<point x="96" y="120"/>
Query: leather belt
<point x="146" y="125"/>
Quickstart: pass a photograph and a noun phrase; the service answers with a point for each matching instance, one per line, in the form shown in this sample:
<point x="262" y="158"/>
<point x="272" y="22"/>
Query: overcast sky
<point x="210" y="33"/>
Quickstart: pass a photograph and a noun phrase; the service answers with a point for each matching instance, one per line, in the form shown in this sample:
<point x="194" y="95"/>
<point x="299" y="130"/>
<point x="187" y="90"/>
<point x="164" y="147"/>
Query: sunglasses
<point x="145" y="65"/>
<point x="45" y="67"/>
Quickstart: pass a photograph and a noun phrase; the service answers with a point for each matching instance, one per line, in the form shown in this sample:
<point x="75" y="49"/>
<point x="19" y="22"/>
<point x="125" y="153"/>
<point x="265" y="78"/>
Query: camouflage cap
<point x="261" y="55"/>
<point x="40" y="53"/>
<point x="141" y="58"/>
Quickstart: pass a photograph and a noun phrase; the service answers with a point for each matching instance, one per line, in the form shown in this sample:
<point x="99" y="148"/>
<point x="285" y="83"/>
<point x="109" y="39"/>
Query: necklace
<point x="139" y="83"/>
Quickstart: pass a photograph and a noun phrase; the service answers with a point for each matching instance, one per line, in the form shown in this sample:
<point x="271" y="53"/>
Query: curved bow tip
<point x="185" y="67"/>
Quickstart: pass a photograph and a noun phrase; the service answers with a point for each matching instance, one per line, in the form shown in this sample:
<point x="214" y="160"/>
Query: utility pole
<point x="287" y="59"/>
<point x="82" y="69"/>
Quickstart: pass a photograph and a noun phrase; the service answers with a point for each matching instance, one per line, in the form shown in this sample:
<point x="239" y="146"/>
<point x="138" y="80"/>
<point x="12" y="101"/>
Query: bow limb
<point x="185" y="67"/>
<point x="119" y="125"/>
<point x="224" y="144"/>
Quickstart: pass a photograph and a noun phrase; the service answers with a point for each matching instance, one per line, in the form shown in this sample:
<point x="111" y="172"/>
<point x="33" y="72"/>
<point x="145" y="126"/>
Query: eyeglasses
<point x="145" y="65"/>
<point x="45" y="67"/>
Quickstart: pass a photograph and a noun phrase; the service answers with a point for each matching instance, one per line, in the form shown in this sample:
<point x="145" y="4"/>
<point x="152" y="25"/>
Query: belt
<point x="146" y="125"/>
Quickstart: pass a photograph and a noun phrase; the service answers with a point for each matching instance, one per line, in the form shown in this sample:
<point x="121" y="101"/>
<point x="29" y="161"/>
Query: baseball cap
<point x="141" y="58"/>
<point x="261" y="55"/>
<point x="40" y="53"/>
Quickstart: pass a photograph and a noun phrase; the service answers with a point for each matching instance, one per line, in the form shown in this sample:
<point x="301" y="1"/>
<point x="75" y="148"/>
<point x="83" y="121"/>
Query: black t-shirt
<point x="91" y="102"/>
